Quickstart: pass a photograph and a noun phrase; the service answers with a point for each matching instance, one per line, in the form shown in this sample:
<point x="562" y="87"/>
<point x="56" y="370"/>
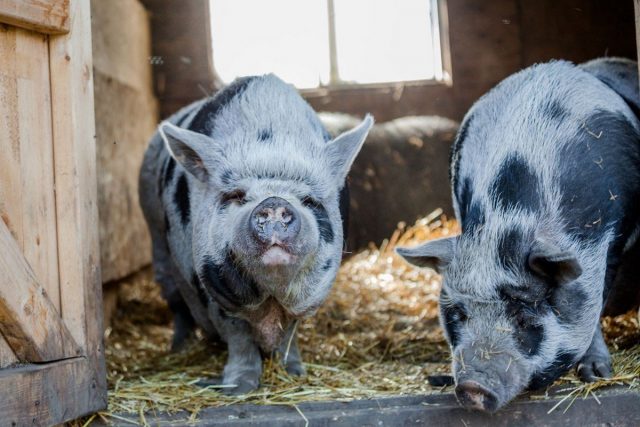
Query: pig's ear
<point x="343" y="150"/>
<point x="187" y="148"/>
<point x="554" y="263"/>
<point x="436" y="254"/>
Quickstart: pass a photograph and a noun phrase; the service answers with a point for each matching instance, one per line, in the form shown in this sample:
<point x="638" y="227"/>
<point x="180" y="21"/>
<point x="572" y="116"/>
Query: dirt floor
<point x="377" y="335"/>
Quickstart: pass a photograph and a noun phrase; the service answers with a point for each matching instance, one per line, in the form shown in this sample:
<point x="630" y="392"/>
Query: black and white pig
<point x="244" y="194"/>
<point x="545" y="175"/>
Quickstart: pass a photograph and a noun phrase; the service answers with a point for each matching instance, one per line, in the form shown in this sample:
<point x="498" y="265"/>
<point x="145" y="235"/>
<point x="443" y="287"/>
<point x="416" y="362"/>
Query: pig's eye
<point x="236" y="196"/>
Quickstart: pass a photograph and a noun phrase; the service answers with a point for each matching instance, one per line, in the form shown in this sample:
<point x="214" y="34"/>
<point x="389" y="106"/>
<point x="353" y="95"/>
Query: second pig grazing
<point x="546" y="181"/>
<point x="245" y="197"/>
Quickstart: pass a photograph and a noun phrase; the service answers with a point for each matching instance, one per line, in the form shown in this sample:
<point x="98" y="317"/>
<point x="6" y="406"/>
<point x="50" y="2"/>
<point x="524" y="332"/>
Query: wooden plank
<point x="44" y="16"/>
<point x="49" y="394"/>
<point x="615" y="407"/>
<point x="7" y="356"/>
<point x="70" y="62"/>
<point x="28" y="320"/>
<point x="26" y="169"/>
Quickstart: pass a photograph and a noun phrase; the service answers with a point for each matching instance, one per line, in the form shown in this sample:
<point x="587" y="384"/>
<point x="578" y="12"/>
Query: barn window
<point x="329" y="42"/>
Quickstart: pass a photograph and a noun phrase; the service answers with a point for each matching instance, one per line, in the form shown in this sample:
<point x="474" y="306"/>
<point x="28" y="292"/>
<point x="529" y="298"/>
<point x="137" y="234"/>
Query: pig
<point x="545" y="176"/>
<point x="246" y="201"/>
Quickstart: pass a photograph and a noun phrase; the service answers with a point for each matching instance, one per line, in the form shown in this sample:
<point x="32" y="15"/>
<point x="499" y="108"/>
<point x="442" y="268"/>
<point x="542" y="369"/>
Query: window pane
<point x="384" y="40"/>
<point x="286" y="37"/>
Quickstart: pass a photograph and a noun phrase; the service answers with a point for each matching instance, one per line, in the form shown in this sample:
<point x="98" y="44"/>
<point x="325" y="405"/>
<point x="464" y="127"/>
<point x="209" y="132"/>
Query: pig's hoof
<point x="295" y="369"/>
<point x="594" y="367"/>
<point x="243" y="384"/>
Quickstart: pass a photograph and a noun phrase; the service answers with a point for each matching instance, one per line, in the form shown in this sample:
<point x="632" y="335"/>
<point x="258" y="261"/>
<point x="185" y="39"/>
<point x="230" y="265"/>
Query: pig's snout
<point x="275" y="224"/>
<point x="474" y="395"/>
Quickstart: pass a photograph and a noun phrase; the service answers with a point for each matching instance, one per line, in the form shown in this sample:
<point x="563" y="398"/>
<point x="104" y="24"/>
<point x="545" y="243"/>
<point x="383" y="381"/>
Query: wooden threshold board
<point x="618" y="406"/>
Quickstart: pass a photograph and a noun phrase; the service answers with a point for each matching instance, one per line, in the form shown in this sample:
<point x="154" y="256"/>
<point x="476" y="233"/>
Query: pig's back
<point x="552" y="141"/>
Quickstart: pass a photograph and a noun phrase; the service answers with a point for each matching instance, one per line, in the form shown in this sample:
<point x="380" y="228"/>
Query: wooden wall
<point x="126" y="115"/>
<point x="489" y="40"/>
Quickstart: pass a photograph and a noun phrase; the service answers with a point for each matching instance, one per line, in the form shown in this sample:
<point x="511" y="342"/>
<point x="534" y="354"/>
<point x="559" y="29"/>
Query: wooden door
<point x="51" y="354"/>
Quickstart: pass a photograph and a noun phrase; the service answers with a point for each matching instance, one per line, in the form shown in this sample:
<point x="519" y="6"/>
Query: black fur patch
<point x="600" y="178"/>
<point x="265" y="135"/>
<point x="474" y="218"/>
<point x="226" y="176"/>
<point x="566" y="302"/>
<point x="327" y="265"/>
<point x="456" y="148"/>
<point x="322" y="218"/>
<point x="471" y="212"/>
<point x="168" y="172"/>
<point x="202" y="292"/>
<point x="203" y="121"/>
<point x="181" y="199"/>
<point x="452" y="317"/>
<point x="561" y="364"/>
<point x="516" y="186"/>
<point x="554" y="110"/>
<point x="167" y="224"/>
<point x="511" y="253"/>
<point x="228" y="284"/>
<point x="525" y="315"/>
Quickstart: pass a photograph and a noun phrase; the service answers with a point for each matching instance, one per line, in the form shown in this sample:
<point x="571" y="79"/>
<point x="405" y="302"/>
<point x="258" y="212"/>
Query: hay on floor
<point x="376" y="335"/>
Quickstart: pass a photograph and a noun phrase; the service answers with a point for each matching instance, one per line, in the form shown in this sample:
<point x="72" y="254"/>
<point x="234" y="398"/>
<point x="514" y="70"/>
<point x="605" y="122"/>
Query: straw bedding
<point x="377" y="334"/>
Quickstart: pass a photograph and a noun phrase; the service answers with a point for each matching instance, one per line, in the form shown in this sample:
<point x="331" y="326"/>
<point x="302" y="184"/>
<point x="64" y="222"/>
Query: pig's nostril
<point x="474" y="395"/>
<point x="274" y="218"/>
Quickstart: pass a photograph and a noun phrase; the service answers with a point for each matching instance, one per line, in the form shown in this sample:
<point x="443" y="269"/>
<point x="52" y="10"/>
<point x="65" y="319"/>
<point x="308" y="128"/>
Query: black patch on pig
<point x="226" y="176"/>
<point x="525" y="315"/>
<point x="203" y="121"/>
<point x="265" y="135"/>
<point x="453" y="315"/>
<point x="168" y="172"/>
<point x="599" y="177"/>
<point x="322" y="218"/>
<point x="471" y="212"/>
<point x="229" y="285"/>
<point x="202" y="292"/>
<point x="511" y="254"/>
<point x="515" y="186"/>
<point x="474" y="218"/>
<point x="167" y="224"/>
<point x="456" y="148"/>
<point x="561" y="364"/>
<point x="554" y="110"/>
<point x="566" y="302"/>
<point x="181" y="199"/>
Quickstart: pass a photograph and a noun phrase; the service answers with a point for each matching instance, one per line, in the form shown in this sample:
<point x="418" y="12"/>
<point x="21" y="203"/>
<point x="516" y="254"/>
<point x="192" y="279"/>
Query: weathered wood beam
<point x="28" y="319"/>
<point x="49" y="394"/>
<point x="44" y="16"/>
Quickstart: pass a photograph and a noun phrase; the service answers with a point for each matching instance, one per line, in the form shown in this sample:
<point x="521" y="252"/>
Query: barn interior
<point x="378" y="334"/>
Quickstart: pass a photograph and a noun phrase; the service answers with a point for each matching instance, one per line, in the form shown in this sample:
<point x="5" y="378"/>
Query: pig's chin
<point x="276" y="256"/>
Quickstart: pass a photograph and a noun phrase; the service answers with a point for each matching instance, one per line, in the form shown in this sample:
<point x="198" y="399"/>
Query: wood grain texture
<point x="7" y="356"/>
<point x="70" y="62"/>
<point x="44" y="16"/>
<point x="48" y="394"/>
<point x="28" y="320"/>
<point x="27" y="199"/>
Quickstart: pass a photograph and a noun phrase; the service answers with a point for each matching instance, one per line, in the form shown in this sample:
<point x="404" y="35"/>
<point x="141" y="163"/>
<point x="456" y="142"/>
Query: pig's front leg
<point x="244" y="363"/>
<point x="596" y="362"/>
<point x="289" y="353"/>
